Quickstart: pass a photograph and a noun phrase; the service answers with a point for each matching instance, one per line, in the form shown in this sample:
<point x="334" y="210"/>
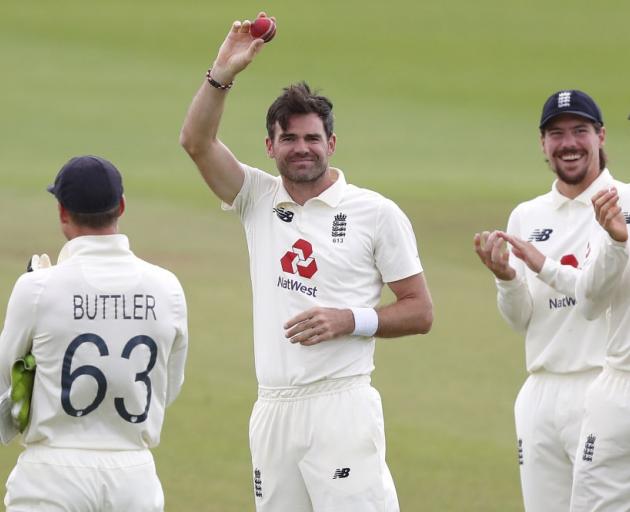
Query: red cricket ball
<point x="263" y="28"/>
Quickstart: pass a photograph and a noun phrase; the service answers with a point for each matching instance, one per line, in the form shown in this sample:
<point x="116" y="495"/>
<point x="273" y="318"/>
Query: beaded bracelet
<point x="217" y="85"/>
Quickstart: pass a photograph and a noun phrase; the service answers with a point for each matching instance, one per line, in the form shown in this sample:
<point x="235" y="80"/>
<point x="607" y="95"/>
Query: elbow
<point x="188" y="144"/>
<point x="588" y="311"/>
<point x="424" y="321"/>
<point x="195" y="146"/>
<point x="588" y="304"/>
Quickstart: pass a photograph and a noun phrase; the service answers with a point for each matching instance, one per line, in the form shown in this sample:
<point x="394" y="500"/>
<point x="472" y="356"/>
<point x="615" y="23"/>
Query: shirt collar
<point x="331" y="196"/>
<point x="603" y="181"/>
<point x="94" y="244"/>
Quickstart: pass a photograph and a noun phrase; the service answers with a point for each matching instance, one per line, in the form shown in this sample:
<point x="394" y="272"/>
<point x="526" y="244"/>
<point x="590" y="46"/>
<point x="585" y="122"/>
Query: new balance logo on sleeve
<point x="540" y="235"/>
<point x="341" y="473"/>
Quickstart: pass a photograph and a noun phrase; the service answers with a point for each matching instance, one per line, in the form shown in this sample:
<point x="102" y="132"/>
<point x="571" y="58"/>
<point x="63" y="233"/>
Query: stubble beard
<point x="303" y="175"/>
<point x="569" y="178"/>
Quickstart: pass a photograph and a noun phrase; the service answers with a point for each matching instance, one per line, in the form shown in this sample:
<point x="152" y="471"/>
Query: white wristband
<point x="365" y="321"/>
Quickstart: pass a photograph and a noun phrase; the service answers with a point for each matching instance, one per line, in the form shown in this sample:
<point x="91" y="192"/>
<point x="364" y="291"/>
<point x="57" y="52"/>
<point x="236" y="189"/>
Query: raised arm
<point x="603" y="271"/>
<point x="218" y="166"/>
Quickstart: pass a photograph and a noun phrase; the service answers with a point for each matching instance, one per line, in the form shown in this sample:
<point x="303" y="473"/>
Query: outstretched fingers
<point x="525" y="251"/>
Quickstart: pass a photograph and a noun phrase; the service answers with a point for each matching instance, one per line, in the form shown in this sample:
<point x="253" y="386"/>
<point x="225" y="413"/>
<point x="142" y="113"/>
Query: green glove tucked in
<point x="22" y="379"/>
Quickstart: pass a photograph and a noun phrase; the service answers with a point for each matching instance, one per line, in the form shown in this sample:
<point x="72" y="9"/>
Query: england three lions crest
<point x="339" y="226"/>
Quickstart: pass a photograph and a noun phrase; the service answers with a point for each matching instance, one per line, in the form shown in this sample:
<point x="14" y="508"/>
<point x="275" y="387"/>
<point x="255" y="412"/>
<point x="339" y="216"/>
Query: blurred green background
<point x="437" y="106"/>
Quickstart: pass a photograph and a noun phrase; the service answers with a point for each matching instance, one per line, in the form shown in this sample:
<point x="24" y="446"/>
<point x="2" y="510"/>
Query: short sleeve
<point x="255" y="184"/>
<point x="396" y="251"/>
<point x="17" y="334"/>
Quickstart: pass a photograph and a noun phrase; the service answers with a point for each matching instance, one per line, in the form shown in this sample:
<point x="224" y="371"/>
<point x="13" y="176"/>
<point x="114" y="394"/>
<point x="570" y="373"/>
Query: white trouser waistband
<point x="108" y="459"/>
<point x="543" y="374"/>
<point x="322" y="387"/>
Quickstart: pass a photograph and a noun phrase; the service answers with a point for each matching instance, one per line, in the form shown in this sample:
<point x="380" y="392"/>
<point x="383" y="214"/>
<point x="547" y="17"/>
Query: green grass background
<point x="436" y="104"/>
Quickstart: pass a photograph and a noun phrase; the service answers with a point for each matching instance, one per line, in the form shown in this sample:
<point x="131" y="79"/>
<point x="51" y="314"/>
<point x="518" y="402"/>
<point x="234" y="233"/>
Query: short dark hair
<point x="96" y="220"/>
<point x="298" y="99"/>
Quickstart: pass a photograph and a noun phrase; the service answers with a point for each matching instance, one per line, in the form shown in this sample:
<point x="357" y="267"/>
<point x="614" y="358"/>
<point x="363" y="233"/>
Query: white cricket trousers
<point x="68" y="480"/>
<point x="602" y="469"/>
<point x="548" y="413"/>
<point x="321" y="448"/>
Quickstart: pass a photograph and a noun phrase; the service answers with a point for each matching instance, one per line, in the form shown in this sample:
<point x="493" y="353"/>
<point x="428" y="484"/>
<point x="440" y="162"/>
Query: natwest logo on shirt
<point x="299" y="259"/>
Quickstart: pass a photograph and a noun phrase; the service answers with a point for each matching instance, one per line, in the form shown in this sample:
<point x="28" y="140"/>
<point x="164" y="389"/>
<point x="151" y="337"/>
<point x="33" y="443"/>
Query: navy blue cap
<point x="88" y="184"/>
<point x="570" y="102"/>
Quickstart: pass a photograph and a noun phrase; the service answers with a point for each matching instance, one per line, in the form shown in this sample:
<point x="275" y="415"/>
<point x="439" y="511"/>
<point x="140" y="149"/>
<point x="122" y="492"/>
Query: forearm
<point x="176" y="364"/>
<point x="404" y="317"/>
<point x="560" y="277"/>
<point x="218" y="166"/>
<point x="199" y="132"/>
<point x="514" y="302"/>
<point x="16" y="336"/>
<point x="600" y="277"/>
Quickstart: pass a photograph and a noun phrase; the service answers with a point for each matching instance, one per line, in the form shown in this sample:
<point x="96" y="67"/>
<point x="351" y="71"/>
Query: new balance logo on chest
<point x="540" y="235"/>
<point x="341" y="473"/>
<point x="283" y="215"/>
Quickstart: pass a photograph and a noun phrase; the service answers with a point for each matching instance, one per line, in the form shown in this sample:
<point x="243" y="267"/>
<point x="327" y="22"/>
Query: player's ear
<point x="542" y="142"/>
<point x="64" y="218"/>
<point x="269" y="146"/>
<point x="332" y="144"/>
<point x="121" y="206"/>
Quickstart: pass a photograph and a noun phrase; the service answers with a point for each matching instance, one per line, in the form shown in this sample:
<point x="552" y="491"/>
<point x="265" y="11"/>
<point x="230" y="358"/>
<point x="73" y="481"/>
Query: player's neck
<point x="77" y="231"/>
<point x="572" y="190"/>
<point x="301" y="192"/>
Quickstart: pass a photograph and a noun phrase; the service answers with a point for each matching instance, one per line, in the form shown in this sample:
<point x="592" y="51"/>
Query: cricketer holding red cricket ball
<point x="320" y="251"/>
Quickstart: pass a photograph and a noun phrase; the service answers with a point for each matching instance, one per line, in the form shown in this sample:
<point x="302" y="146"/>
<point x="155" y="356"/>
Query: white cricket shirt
<point x="109" y="334"/>
<point x="605" y="283"/>
<point x="558" y="338"/>
<point x="337" y="250"/>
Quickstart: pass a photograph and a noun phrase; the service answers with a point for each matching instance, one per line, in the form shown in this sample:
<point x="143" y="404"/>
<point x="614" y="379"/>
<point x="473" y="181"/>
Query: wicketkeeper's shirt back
<point x="109" y="334"/>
